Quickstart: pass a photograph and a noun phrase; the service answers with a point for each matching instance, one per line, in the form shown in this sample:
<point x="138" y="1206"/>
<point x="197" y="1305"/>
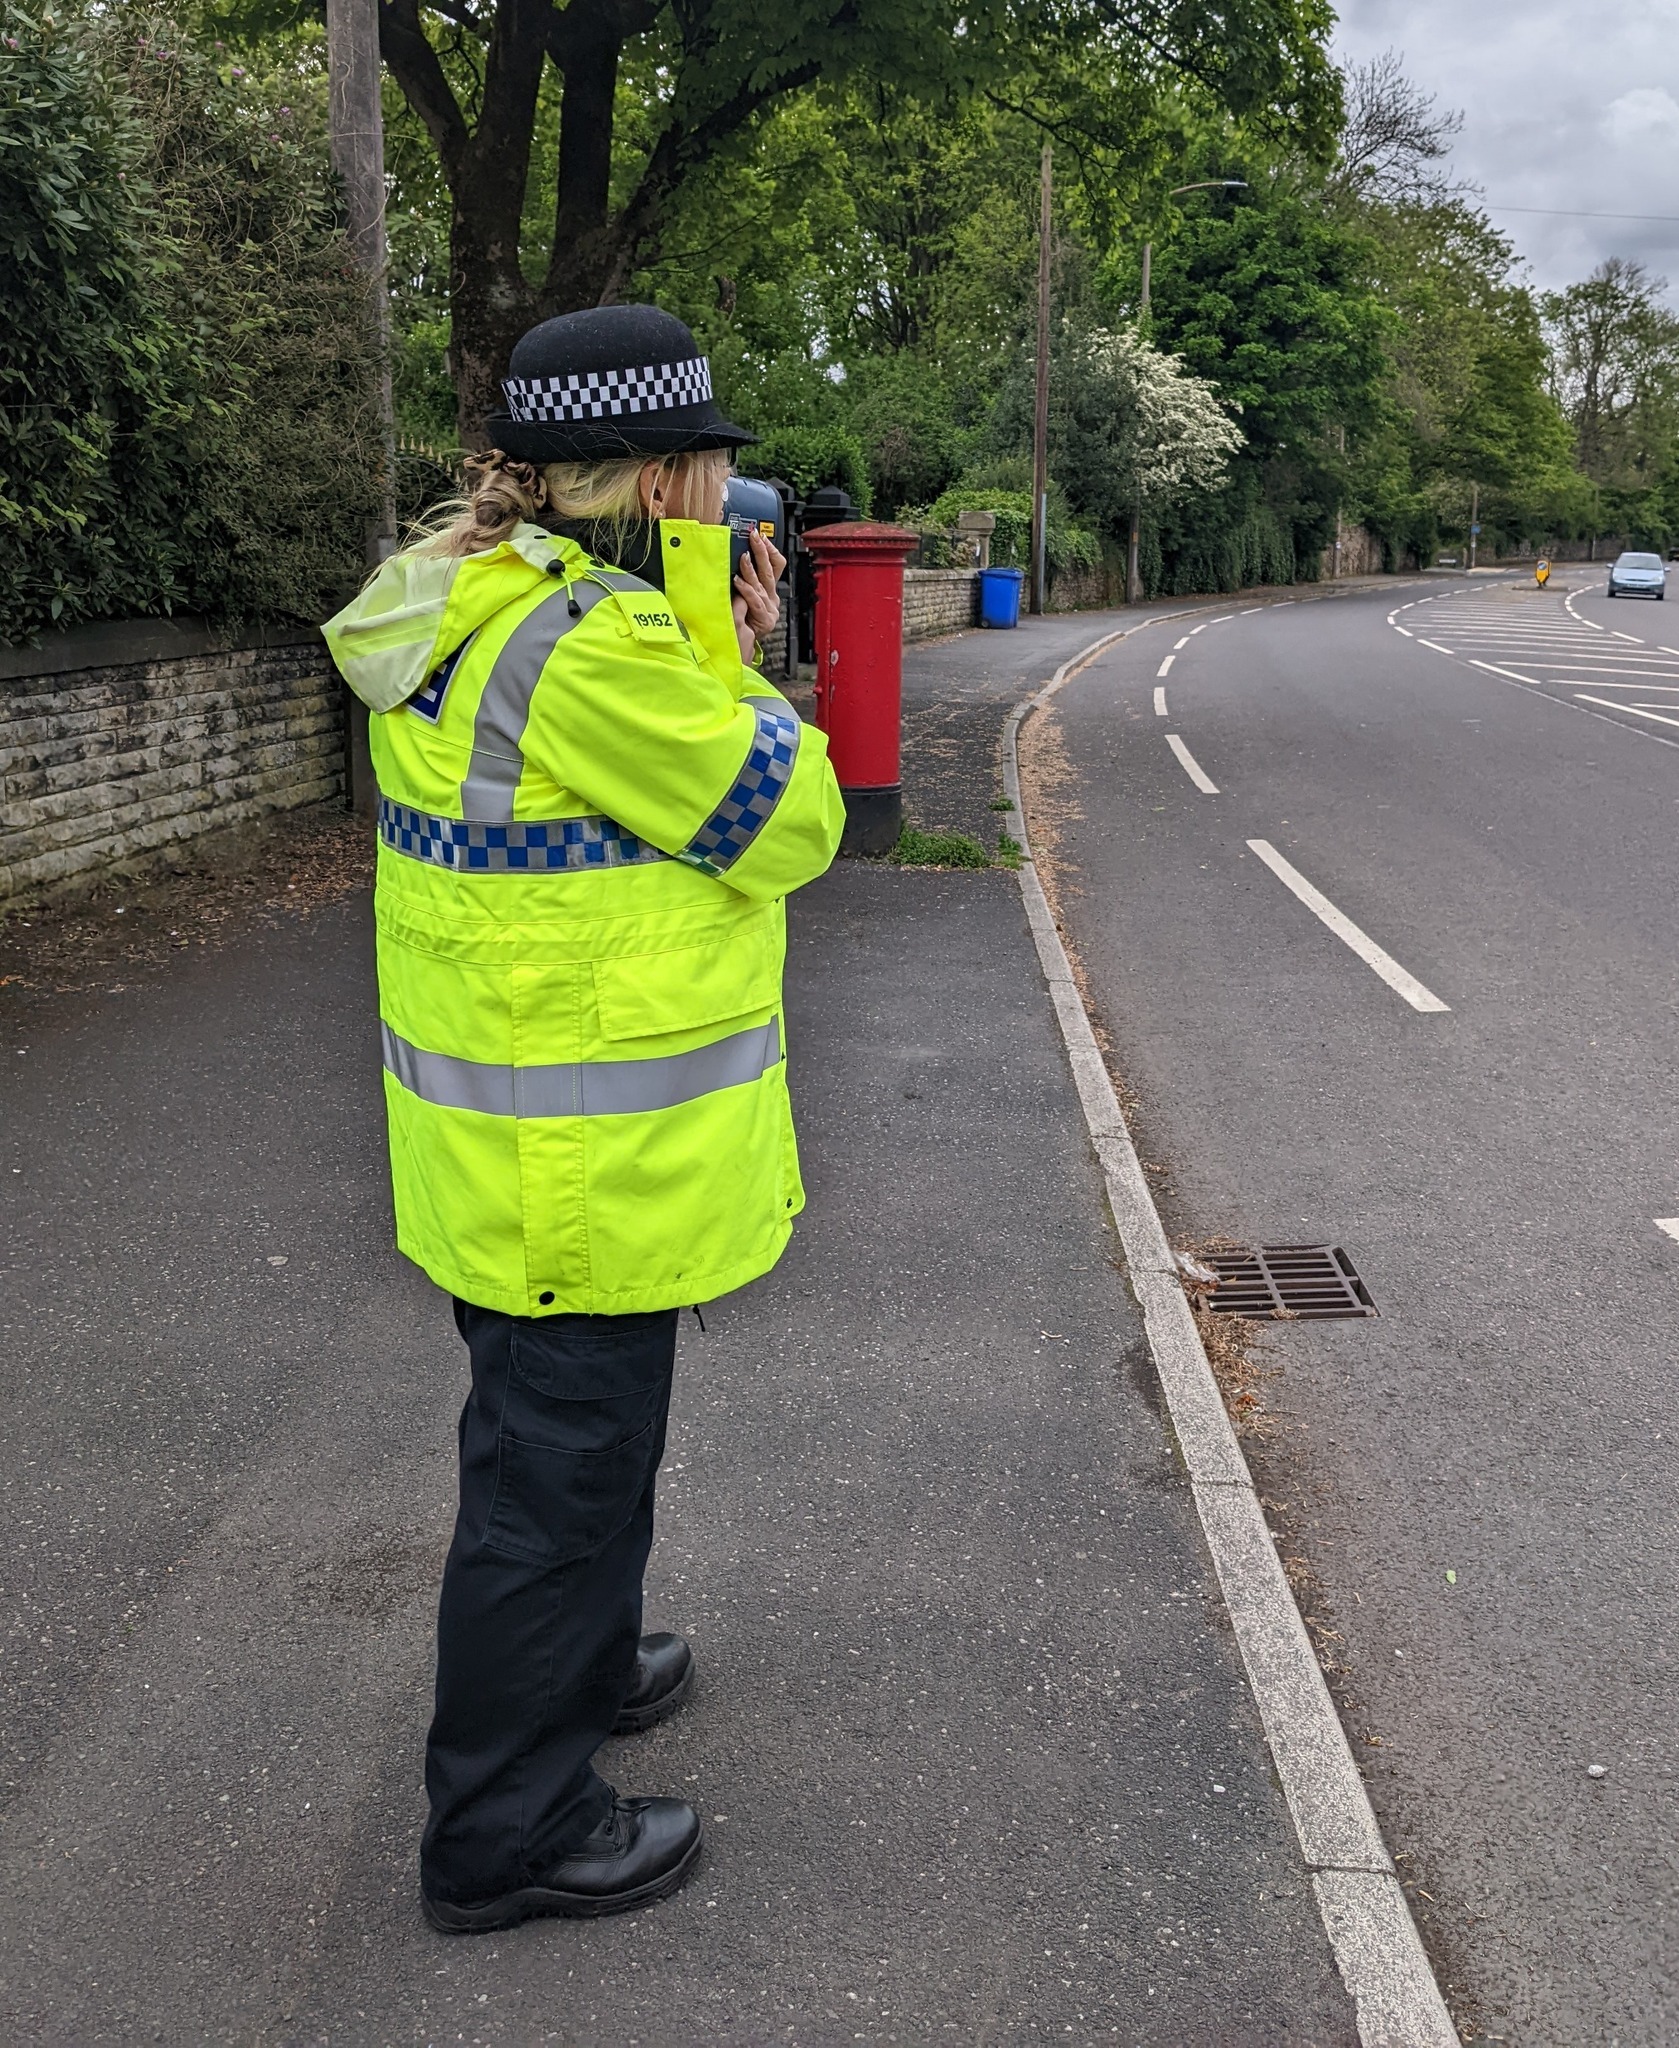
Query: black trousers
<point x="560" y="1443"/>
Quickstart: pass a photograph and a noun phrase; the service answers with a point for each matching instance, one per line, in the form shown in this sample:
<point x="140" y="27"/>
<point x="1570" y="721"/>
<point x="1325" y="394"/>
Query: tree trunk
<point x="489" y="310"/>
<point x="595" y="252"/>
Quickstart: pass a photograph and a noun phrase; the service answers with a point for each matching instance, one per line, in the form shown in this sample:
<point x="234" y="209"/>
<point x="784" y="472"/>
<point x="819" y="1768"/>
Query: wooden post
<point x="1133" y="546"/>
<point x="357" y="139"/>
<point x="1040" y="411"/>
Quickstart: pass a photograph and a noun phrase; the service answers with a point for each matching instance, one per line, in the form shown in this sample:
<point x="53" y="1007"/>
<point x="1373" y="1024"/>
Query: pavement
<point x="1477" y="1490"/>
<point x="972" y="1739"/>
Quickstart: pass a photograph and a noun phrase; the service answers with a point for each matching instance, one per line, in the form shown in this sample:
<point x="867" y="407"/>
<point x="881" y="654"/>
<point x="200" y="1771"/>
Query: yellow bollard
<point x="1542" y="575"/>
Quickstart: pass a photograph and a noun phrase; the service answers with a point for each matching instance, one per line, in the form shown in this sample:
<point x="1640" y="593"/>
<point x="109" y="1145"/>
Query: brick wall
<point x="119" y="741"/>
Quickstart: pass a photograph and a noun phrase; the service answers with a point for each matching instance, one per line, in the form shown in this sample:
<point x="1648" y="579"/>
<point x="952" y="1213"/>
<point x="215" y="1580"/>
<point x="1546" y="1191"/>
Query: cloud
<point x="1648" y="112"/>
<point x="1555" y="127"/>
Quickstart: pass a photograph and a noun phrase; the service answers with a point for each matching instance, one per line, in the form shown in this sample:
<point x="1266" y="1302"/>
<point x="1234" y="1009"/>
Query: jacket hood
<point x="417" y="609"/>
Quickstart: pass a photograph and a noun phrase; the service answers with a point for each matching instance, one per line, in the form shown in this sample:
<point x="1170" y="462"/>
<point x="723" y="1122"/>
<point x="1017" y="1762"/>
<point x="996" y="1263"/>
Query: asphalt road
<point x="1482" y="779"/>
<point x="972" y="1738"/>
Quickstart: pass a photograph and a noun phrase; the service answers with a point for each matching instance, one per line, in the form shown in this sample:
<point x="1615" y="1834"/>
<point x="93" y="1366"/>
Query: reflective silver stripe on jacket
<point x="498" y="729"/>
<point x="492" y="774"/>
<point x="527" y="846"/>
<point x="765" y="773"/>
<point x="583" y="1088"/>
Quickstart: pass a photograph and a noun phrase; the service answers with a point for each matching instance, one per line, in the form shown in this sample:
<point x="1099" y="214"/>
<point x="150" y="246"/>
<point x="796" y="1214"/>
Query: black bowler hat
<point x="616" y="380"/>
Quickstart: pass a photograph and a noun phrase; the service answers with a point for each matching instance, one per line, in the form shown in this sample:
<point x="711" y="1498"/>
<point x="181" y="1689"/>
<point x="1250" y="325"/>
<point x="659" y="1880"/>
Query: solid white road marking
<point x="1363" y="1906"/>
<point x="1633" y="637"/>
<point x="1384" y="964"/>
<point x="1670" y="1224"/>
<point x="1406" y="631"/>
<point x="1165" y="668"/>
<point x="1191" y="767"/>
<point x="1637" y="710"/>
<point x="1159" y="701"/>
<point x="1595" y="668"/>
<point x="1437" y="647"/>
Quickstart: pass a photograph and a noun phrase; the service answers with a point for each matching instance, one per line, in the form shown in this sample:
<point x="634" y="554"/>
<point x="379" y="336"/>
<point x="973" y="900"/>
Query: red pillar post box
<point x="859" y="672"/>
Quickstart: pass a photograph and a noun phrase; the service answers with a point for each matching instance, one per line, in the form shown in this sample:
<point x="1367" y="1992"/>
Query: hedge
<point x="187" y="366"/>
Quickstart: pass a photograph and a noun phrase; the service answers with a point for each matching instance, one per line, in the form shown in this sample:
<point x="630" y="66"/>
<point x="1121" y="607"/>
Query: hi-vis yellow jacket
<point x="590" y="812"/>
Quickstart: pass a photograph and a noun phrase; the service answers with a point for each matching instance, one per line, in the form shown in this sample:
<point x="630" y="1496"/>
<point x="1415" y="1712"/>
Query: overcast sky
<point x="1565" y="106"/>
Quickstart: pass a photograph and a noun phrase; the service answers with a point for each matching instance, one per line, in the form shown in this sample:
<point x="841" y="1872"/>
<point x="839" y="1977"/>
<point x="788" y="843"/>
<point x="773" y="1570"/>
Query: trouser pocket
<point x="580" y="1432"/>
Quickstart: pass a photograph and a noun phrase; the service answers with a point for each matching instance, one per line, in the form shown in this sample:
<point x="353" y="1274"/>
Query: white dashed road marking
<point x="1670" y="1224"/>
<point x="1383" y="963"/>
<point x="1165" y="668"/>
<point x="1159" y="701"/>
<point x="1191" y="767"/>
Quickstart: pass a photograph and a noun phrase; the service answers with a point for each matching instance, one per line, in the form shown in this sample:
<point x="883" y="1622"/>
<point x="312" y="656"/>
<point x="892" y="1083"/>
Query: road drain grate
<point x="1289" y="1280"/>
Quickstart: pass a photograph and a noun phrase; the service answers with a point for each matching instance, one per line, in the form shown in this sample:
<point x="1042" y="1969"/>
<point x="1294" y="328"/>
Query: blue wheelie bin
<point x="999" y="596"/>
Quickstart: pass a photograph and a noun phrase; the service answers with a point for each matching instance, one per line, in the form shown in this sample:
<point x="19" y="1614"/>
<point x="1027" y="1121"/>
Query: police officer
<point x="591" y="809"/>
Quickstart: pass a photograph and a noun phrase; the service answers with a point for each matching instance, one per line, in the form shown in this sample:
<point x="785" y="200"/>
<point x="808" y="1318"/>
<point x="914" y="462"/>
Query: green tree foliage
<point x="186" y="373"/>
<point x="524" y="103"/>
<point x="1129" y="426"/>
<point x="1614" y="358"/>
<point x="1270" y="302"/>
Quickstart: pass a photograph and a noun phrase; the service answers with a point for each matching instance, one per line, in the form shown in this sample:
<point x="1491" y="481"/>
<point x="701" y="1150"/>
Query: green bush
<point x="809" y="457"/>
<point x="96" y="386"/>
<point x="187" y="370"/>
<point x="1207" y="552"/>
<point x="1068" y="549"/>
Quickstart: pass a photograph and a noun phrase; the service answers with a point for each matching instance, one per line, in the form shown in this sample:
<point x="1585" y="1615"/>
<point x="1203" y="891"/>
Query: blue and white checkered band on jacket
<point x="471" y="847"/>
<point x="602" y="394"/>
<point x="742" y="814"/>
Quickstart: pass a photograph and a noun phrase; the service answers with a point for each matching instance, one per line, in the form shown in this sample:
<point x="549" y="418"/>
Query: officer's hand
<point x="757" y="601"/>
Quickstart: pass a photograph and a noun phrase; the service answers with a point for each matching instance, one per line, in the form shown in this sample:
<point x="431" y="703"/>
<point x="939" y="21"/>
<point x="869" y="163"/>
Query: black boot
<point x="664" y="1677"/>
<point x="641" y="1851"/>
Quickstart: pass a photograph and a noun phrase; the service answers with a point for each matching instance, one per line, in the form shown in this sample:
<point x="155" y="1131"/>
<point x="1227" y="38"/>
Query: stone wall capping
<point x="119" y="643"/>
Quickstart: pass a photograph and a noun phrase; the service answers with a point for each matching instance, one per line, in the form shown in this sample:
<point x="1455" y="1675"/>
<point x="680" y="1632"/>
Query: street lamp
<point x="1133" y="581"/>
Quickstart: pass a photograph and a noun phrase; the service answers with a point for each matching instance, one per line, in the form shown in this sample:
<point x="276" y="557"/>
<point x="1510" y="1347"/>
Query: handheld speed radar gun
<point x="750" y="504"/>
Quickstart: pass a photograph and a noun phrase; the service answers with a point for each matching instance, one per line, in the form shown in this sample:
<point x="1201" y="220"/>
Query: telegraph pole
<point x="1474" y="520"/>
<point x="1040" y="393"/>
<point x="357" y="135"/>
<point x="1133" y="545"/>
<point x="357" y="126"/>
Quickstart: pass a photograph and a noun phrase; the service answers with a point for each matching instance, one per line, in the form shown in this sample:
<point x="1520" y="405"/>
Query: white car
<point x="1642" y="574"/>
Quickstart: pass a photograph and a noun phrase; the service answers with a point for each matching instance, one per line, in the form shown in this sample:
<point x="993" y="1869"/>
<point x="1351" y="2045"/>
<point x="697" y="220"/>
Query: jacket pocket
<point x="646" y="994"/>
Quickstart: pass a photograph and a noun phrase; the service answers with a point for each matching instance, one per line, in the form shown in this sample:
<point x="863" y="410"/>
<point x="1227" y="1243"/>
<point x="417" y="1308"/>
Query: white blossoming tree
<point x="1131" y="426"/>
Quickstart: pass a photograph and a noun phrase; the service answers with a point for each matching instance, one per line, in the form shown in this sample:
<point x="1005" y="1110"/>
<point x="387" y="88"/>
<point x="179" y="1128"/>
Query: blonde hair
<point x="501" y="493"/>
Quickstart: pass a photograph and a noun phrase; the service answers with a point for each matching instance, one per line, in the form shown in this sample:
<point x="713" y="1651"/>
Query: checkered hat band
<point x="608" y="394"/>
